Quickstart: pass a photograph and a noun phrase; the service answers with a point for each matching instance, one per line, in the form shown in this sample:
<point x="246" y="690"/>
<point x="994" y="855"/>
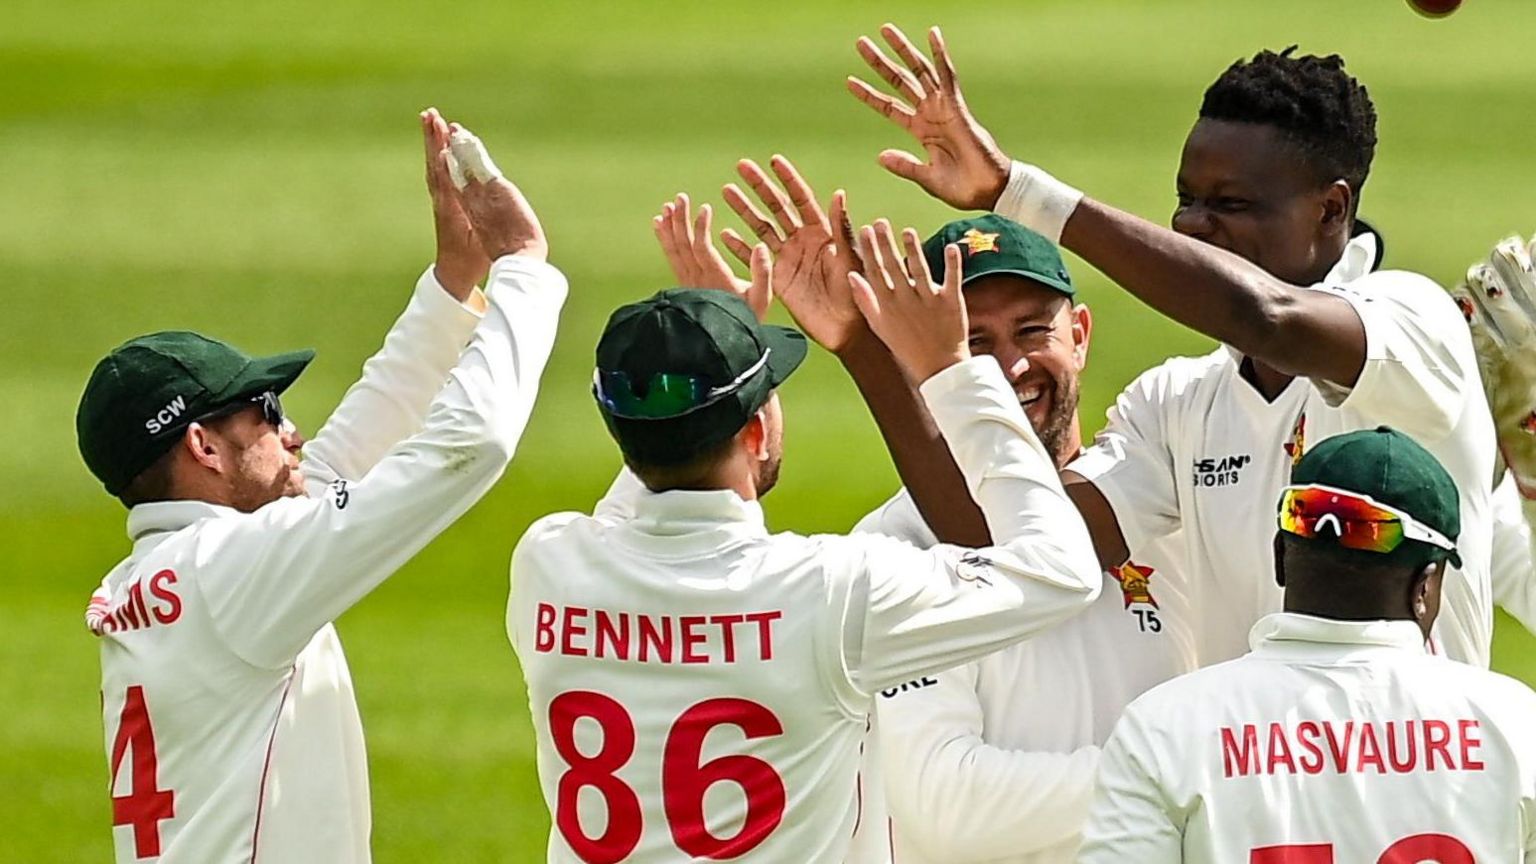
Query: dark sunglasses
<point x="267" y="401"/>
<point x="665" y="394"/>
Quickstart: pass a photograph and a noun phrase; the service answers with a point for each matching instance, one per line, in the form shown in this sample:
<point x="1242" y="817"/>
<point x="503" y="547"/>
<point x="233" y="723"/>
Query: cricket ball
<point x="1435" y="8"/>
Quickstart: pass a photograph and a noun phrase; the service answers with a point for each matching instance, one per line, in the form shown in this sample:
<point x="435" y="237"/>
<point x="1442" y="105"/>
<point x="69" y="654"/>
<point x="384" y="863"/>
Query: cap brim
<point x="788" y="347"/>
<point x="275" y="373"/>
<point x="1043" y="281"/>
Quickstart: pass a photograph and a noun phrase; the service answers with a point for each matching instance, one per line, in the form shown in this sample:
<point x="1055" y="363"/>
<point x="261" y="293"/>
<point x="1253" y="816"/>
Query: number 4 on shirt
<point x="1436" y="848"/>
<point x="146" y="804"/>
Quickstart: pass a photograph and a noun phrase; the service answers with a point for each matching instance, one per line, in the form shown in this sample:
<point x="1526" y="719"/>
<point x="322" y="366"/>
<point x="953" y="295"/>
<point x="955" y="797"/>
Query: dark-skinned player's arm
<point x="1205" y="288"/>
<point x="813" y="252"/>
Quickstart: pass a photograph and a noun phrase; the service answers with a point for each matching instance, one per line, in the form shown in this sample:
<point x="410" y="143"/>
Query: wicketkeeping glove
<point x="1499" y="300"/>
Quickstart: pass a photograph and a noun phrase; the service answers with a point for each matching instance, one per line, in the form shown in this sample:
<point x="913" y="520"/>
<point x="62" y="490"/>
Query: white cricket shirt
<point x="232" y="733"/>
<point x="1191" y="445"/>
<point x="700" y="688"/>
<point x="1333" y="741"/>
<point x="994" y="761"/>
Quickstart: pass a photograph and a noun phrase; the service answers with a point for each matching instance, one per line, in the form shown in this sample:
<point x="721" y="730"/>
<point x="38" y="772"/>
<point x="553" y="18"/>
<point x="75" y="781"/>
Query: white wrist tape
<point x="467" y="160"/>
<point x="1037" y="201"/>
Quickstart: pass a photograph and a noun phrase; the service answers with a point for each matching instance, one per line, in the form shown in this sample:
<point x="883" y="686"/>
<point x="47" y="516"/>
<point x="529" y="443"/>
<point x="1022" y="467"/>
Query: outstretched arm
<point x="814" y="253"/>
<point x="389" y="401"/>
<point x="1198" y="285"/>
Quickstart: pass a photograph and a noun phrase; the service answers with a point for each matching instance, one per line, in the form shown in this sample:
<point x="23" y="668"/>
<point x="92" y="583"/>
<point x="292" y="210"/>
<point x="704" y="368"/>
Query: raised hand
<point x="502" y="219"/>
<point x="965" y="167"/>
<point x="461" y="263"/>
<point x="813" y="251"/>
<point x="1499" y="300"/>
<point x="923" y="323"/>
<point x="689" y="246"/>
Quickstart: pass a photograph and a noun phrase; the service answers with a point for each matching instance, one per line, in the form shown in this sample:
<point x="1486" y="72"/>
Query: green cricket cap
<point x="684" y="370"/>
<point x="146" y="391"/>
<point x="1395" y="470"/>
<point x="991" y="245"/>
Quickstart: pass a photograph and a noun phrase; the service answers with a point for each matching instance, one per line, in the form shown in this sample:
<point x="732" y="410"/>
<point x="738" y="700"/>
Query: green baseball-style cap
<point x="1392" y="469"/>
<point x="991" y="244"/>
<point x="147" y="390"/>
<point x="682" y="371"/>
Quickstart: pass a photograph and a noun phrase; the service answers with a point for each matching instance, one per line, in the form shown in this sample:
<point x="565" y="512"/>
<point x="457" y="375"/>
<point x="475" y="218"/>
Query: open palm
<point x="964" y="167"/>
<point x="812" y="250"/>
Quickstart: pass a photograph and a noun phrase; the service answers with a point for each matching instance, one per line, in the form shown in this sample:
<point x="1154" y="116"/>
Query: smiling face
<point x="1244" y="188"/>
<point x="1041" y="341"/>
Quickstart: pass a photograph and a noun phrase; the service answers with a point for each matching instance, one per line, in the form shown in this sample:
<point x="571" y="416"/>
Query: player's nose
<point x="1194" y="221"/>
<point x="1015" y="364"/>
<point x="292" y="438"/>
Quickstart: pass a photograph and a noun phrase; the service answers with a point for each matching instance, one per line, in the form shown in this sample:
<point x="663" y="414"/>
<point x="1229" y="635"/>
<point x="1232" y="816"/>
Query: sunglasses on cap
<point x="1356" y="521"/>
<point x="666" y="394"/>
<point x="267" y="401"/>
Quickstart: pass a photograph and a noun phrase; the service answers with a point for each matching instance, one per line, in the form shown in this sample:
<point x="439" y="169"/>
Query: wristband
<point x="1037" y="201"/>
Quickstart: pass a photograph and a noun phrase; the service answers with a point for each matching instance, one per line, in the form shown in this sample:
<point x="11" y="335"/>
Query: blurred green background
<point x="253" y="170"/>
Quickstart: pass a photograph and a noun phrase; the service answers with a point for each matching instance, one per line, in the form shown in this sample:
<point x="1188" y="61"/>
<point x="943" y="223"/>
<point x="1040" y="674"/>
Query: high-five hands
<point x="813" y="250"/>
<point x="965" y="167"/>
<point x="923" y="323"/>
<point x="1499" y="300"/>
<point x="461" y="263"/>
<point x="498" y="217"/>
<point x="696" y="263"/>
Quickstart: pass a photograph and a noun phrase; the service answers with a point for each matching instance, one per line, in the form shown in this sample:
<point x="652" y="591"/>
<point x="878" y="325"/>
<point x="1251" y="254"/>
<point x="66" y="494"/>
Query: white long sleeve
<point x="960" y="799"/>
<point x="303" y="561"/>
<point x="389" y="401"/>
<point x="1514" y="561"/>
<point x="925" y="611"/>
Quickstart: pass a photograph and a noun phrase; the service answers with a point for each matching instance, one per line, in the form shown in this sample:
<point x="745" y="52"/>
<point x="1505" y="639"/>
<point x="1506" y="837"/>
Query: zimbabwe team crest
<point x="1135" y="583"/>
<point x="1297" y="446"/>
<point x="980" y="241"/>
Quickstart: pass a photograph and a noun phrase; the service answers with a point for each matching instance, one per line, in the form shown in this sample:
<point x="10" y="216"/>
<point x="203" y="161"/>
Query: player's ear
<point x="1279" y="547"/>
<point x="1082" y="330"/>
<point x="199" y="443"/>
<point x="1338" y="203"/>
<point x="754" y="436"/>
<point x="1424" y="595"/>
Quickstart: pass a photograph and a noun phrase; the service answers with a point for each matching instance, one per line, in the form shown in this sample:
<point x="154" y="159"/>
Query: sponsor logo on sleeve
<point x="339" y="494"/>
<point x="974" y="567"/>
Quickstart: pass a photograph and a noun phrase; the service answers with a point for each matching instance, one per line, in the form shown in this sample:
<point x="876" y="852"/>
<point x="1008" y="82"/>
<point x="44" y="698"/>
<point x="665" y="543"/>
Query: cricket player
<point x="1338" y="738"/>
<point x="971" y="762"/>
<point x="699" y="687"/>
<point x="1268" y="258"/>
<point x="232" y="732"/>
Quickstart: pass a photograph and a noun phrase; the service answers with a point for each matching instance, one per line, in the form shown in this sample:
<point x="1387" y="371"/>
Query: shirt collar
<point x="1294" y="634"/>
<point x="677" y="512"/>
<point x="149" y="522"/>
<point x="1362" y="254"/>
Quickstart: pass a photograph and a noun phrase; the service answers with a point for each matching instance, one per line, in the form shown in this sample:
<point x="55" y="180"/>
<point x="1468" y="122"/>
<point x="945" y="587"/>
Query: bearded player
<point x="232" y="732"/>
<point x="993" y="760"/>
<point x="700" y="687"/>
<point x="1268" y="258"/>
<point x="1338" y="738"/>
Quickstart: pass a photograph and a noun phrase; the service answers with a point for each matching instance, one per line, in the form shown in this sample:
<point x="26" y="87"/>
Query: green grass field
<point x="253" y="170"/>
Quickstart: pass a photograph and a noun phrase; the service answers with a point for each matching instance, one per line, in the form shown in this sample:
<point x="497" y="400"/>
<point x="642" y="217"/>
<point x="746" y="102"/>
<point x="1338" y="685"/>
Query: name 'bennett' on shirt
<point x="577" y="631"/>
